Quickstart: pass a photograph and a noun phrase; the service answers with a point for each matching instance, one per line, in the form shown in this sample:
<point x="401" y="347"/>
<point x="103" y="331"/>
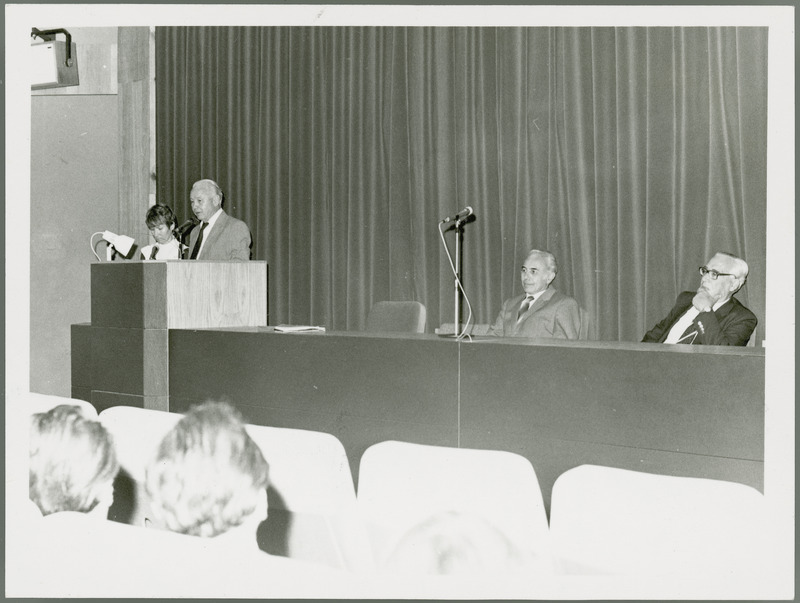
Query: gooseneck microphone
<point x="190" y="223"/>
<point x="460" y="216"/>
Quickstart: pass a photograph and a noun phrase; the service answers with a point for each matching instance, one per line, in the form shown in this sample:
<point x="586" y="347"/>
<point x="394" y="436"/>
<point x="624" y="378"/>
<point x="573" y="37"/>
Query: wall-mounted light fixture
<point x="54" y="64"/>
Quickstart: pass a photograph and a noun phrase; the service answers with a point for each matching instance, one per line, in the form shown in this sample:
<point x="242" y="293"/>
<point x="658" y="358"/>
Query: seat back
<point x="312" y="504"/>
<point x="77" y="555"/>
<point x="402" y="484"/>
<point x="35" y="403"/>
<point x="605" y="520"/>
<point x="397" y="316"/>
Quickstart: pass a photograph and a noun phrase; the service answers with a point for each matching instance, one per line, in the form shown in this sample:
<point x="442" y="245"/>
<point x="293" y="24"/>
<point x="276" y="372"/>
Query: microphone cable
<point x="463" y="332"/>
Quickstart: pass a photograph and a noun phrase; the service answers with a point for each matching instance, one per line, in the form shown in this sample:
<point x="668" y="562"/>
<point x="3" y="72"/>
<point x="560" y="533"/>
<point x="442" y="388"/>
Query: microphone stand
<point x="457" y="222"/>
<point x="457" y="280"/>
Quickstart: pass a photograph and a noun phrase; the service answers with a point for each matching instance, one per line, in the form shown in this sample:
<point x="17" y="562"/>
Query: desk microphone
<point x="460" y="216"/>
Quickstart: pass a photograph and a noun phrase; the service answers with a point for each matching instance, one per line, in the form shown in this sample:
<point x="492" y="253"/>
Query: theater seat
<point x="402" y="484"/>
<point x="605" y="520"/>
<point x="397" y="316"/>
<point x="36" y="402"/>
<point x="78" y="555"/>
<point x="312" y="505"/>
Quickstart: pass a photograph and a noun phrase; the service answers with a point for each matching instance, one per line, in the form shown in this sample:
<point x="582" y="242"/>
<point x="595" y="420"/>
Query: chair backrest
<point x="312" y="504"/>
<point x="605" y="520"/>
<point x="77" y="555"/>
<point x="397" y="316"/>
<point x="36" y="402"/>
<point x="402" y="484"/>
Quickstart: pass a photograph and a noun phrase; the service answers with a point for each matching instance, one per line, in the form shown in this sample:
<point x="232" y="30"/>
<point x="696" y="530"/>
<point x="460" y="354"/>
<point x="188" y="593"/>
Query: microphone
<point x="188" y="225"/>
<point x="462" y="215"/>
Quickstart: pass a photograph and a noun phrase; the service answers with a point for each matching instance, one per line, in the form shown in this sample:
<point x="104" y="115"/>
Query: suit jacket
<point x="552" y="315"/>
<point x="730" y="324"/>
<point x="228" y="240"/>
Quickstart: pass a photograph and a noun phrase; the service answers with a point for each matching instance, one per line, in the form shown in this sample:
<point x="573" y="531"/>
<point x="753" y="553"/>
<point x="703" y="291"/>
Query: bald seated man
<point x="218" y="236"/>
<point x="710" y="316"/>
<point x="543" y="311"/>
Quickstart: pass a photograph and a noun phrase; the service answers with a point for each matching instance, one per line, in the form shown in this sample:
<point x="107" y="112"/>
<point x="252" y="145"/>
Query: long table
<point x="678" y="410"/>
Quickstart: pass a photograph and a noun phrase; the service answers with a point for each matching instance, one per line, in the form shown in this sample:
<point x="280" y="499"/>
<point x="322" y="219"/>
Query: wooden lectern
<point x="122" y="356"/>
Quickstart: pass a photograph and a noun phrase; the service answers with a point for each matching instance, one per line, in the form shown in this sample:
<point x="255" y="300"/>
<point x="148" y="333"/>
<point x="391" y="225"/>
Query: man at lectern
<point x="218" y="236"/>
<point x="711" y="316"/>
<point x="161" y="223"/>
<point x="542" y="311"/>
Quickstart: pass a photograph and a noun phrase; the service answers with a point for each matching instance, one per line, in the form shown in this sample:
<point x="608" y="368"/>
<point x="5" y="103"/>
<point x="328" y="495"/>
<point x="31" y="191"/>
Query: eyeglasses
<point x="713" y="273"/>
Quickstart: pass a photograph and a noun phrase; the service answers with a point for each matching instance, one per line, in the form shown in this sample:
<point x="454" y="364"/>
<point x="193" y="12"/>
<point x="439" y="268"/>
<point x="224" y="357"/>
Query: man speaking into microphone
<point x="218" y="236"/>
<point x="542" y="311"/>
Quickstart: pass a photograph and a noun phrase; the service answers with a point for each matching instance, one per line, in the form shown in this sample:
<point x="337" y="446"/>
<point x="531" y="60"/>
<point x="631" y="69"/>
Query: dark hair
<point x="158" y="215"/>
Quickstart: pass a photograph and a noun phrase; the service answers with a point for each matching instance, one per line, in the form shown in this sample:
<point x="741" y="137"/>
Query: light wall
<point x="86" y="146"/>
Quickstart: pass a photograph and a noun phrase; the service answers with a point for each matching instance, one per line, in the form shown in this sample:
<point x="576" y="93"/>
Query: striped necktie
<point x="154" y="252"/>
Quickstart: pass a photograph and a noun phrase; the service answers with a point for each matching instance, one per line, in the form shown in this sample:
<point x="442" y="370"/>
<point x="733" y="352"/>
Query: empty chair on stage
<point x="605" y="520"/>
<point x="406" y="489"/>
<point x="397" y="317"/>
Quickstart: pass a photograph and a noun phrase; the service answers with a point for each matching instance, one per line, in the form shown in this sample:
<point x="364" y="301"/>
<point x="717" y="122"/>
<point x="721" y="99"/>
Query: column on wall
<point x="136" y="79"/>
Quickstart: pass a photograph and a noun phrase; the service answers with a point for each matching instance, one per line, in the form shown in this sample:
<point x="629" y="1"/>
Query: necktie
<point x="153" y="252"/>
<point x="196" y="248"/>
<point x="689" y="334"/>
<point x="523" y="307"/>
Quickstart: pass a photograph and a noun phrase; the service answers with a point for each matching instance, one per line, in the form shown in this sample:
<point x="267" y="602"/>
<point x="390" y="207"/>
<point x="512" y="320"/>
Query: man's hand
<point x="703" y="301"/>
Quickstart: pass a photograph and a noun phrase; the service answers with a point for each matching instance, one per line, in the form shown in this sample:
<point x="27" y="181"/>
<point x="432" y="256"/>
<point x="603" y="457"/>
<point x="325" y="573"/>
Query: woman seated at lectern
<point x="161" y="223"/>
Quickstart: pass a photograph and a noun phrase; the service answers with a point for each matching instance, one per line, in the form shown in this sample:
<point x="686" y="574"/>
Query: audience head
<point x="538" y="271"/>
<point x="161" y="222"/>
<point x="452" y="543"/>
<point x="724" y="275"/>
<point x="72" y="462"/>
<point x="206" y="198"/>
<point x="208" y="475"/>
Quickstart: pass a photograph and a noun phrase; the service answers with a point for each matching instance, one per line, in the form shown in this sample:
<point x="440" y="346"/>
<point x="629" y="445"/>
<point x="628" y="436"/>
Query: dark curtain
<point x="633" y="154"/>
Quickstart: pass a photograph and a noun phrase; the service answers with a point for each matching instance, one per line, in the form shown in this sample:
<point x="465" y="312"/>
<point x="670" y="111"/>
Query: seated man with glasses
<point x="711" y="316"/>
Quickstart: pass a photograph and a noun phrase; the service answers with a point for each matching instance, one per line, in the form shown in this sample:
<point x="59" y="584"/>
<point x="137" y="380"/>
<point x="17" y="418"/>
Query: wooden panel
<point x="134" y="61"/>
<point x="216" y="294"/>
<point x="655" y="408"/>
<point x="361" y="389"/>
<point x="134" y="150"/>
<point x="155" y="295"/>
<point x="117" y="294"/>
<point x="155" y="359"/>
<point x="179" y="294"/>
<point x="117" y="360"/>
<point x="136" y="130"/>
<point x="81" y="353"/>
<point x="660" y="398"/>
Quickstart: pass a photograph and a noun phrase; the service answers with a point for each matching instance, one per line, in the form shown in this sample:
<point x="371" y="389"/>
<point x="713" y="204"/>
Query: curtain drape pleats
<point x="633" y="154"/>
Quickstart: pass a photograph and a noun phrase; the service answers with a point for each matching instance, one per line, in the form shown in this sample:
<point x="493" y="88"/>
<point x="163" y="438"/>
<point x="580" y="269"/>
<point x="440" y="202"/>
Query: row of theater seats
<point x="603" y="521"/>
